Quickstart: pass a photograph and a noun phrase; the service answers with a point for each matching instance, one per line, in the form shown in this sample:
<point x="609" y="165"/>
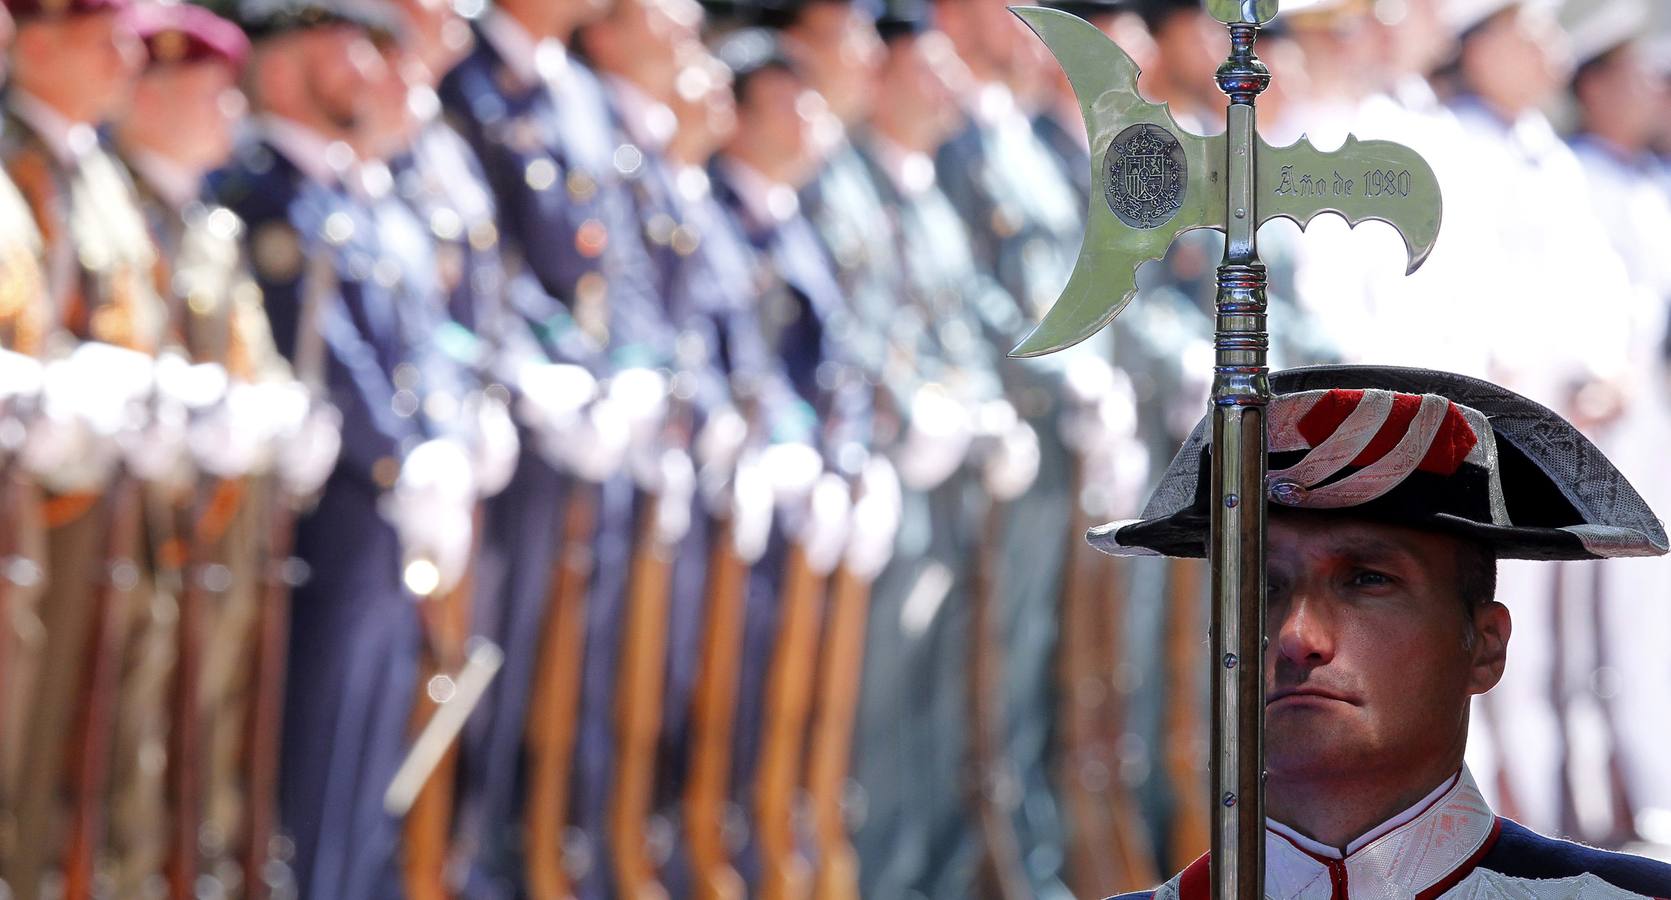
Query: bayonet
<point x="1151" y="181"/>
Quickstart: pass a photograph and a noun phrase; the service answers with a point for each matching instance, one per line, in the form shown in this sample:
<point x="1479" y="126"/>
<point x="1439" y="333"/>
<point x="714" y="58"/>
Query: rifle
<point x="1109" y="849"/>
<point x="787" y="874"/>
<point x="89" y="747"/>
<point x="428" y="826"/>
<point x="555" y="705"/>
<point x="639" y="686"/>
<point x="264" y="717"/>
<point x="840" y="663"/>
<point x="994" y="786"/>
<point x="184" y="735"/>
<point x="1189" y="833"/>
<point x="713" y="720"/>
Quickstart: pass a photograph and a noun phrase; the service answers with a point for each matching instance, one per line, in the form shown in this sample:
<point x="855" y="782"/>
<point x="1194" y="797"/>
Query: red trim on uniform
<point x="1195" y="882"/>
<point x="1468" y="866"/>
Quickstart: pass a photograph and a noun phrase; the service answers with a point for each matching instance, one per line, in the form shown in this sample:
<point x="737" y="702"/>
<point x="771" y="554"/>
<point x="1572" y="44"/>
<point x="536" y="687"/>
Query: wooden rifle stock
<point x="1109" y="851"/>
<point x="638" y="709"/>
<point x="554" y="709"/>
<point x="713" y="721"/>
<point x="994" y="786"/>
<point x="265" y="715"/>
<point x="429" y="823"/>
<point x="1185" y="747"/>
<point x="11" y="497"/>
<point x="90" y="741"/>
<point x="185" y="729"/>
<point x="840" y="665"/>
<point x="786" y="873"/>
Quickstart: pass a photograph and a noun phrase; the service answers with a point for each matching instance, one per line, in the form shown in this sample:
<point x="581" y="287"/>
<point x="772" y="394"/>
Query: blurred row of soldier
<point x="566" y="448"/>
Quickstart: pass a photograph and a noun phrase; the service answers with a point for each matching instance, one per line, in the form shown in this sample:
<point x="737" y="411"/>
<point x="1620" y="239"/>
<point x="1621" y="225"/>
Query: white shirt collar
<point x="176" y="185"/>
<point x="1409" y="853"/>
<point x="1318" y="848"/>
<point x="911" y="171"/>
<point x="1433" y="844"/>
<point x="648" y="122"/>
<point x="767" y="202"/>
<point x="532" y="60"/>
<point x="66" y="140"/>
<point x="320" y="158"/>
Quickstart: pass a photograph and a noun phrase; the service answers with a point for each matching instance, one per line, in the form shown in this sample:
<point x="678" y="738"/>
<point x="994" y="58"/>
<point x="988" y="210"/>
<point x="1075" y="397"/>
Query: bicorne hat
<point x="1415" y="447"/>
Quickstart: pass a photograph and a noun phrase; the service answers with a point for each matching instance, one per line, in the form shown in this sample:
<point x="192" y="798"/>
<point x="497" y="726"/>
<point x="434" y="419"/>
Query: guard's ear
<point x="1492" y="625"/>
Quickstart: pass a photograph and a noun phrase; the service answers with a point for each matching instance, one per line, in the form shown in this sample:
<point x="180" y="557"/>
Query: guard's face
<point x="1371" y="662"/>
<point x="103" y="55"/>
<point x="840" y="52"/>
<point x="777" y="108"/>
<point x="342" y="66"/>
<point x="197" y="104"/>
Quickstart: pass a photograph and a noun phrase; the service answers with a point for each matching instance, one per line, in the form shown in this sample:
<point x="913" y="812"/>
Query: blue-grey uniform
<point x="914" y="745"/>
<point x="706" y="269"/>
<point x="500" y="317"/>
<point x="354" y="627"/>
<point x="540" y="124"/>
<point x="1024" y="225"/>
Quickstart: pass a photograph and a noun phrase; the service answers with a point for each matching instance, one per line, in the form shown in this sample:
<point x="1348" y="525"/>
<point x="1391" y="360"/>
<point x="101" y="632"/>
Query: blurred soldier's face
<point x="987" y="35"/>
<point x="1517" y="61"/>
<point x="1622" y="98"/>
<point x="84" y="65"/>
<point x="920" y="97"/>
<point x="643" y="41"/>
<point x="342" y="66"/>
<point x="1371" y="660"/>
<point x="554" y="18"/>
<point x="1190" y="46"/>
<point x="438" y="37"/>
<point x="774" y="115"/>
<point x="192" y="107"/>
<point x="837" y="47"/>
<point x="388" y="122"/>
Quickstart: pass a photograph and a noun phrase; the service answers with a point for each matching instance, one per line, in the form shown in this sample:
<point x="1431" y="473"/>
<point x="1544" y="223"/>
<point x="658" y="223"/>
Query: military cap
<point x="901" y="18"/>
<point x="262" y="19"/>
<point x="1604" y="27"/>
<point x="1156" y="12"/>
<point x="1086" y="9"/>
<point x="1463" y="16"/>
<point x="24" y="10"/>
<point x="783" y="13"/>
<point x="748" y="51"/>
<point x="187" y="33"/>
<point x="1414" y="447"/>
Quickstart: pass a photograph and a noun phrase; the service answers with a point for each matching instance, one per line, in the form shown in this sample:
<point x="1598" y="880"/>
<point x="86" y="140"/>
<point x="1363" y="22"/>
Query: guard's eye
<point x="1370" y="578"/>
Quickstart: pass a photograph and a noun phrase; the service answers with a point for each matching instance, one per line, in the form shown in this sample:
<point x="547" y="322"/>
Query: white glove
<point x="721" y="440"/>
<point x="553" y="394"/>
<point x="592" y="446"/>
<point x="20" y="391"/>
<point x="825" y="523"/>
<point x="20" y="377"/>
<point x="88" y="400"/>
<point x="752" y="503"/>
<point x="309" y="448"/>
<point x="1011" y="458"/>
<point x="936" y="441"/>
<point x="674" y="491"/>
<point x="230" y="440"/>
<point x="496" y="447"/>
<point x="875" y="519"/>
<point x="172" y="446"/>
<point x="641" y="397"/>
<point x="1195" y="388"/>
<point x="791" y="469"/>
<point x="431" y="508"/>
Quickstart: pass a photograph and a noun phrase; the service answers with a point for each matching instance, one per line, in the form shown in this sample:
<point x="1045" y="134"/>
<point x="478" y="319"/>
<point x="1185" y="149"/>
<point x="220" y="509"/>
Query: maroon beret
<point x="186" y="32"/>
<point x="24" y="10"/>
